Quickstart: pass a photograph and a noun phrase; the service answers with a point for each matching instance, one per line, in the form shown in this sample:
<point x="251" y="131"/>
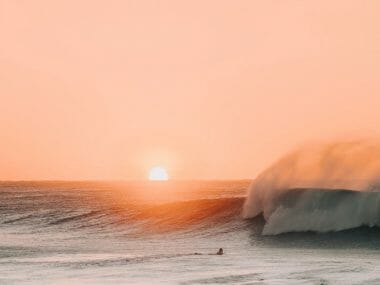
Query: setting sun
<point x="158" y="174"/>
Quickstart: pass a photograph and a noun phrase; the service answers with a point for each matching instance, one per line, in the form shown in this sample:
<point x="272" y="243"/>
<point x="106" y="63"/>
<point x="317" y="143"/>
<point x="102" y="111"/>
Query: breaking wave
<point x="324" y="188"/>
<point x="323" y="210"/>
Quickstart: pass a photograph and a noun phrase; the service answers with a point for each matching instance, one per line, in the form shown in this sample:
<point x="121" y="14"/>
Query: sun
<point x="158" y="173"/>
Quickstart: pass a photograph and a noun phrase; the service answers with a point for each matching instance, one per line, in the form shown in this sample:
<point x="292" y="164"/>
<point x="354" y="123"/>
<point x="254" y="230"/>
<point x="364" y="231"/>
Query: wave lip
<point x="318" y="171"/>
<point x="322" y="210"/>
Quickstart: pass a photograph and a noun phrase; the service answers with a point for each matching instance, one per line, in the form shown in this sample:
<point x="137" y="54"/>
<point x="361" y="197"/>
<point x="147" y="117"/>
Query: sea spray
<point x="353" y="165"/>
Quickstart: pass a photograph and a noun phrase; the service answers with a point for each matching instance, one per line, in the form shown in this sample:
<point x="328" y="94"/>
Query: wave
<point x="327" y="188"/>
<point x="184" y="214"/>
<point x="16" y="219"/>
<point x="137" y="218"/>
<point x="74" y="217"/>
<point x="323" y="210"/>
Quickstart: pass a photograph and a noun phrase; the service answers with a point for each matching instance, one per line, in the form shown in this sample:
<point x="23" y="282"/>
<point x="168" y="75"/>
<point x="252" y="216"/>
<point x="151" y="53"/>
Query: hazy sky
<point x="208" y="89"/>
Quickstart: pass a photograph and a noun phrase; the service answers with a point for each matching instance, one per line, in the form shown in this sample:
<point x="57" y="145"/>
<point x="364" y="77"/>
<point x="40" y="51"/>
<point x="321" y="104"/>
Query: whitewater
<point x="320" y="188"/>
<point x="148" y="233"/>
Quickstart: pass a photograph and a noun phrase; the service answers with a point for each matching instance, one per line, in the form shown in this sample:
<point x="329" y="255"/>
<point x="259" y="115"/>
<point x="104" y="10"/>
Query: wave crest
<point x="317" y="171"/>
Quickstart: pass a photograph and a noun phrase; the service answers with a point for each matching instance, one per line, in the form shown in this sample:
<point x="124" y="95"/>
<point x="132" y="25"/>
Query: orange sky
<point x="208" y="89"/>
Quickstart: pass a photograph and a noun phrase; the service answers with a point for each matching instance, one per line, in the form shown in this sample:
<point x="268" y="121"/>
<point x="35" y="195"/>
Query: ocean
<point x="168" y="233"/>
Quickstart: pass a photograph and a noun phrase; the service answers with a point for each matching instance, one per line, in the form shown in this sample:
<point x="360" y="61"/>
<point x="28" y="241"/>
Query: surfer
<point x="220" y="252"/>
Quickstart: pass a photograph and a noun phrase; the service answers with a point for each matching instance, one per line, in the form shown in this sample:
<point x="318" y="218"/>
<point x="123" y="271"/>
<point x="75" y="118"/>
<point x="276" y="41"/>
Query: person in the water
<point x="220" y="252"/>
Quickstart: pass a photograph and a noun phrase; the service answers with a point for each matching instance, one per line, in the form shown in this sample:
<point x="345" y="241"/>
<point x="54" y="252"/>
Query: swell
<point x="13" y="220"/>
<point x="138" y="218"/>
<point x="74" y="218"/>
<point x="204" y="213"/>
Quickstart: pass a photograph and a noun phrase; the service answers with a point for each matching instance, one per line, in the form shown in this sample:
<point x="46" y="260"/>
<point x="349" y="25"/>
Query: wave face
<point x="323" y="210"/>
<point x="302" y="191"/>
<point x="165" y="217"/>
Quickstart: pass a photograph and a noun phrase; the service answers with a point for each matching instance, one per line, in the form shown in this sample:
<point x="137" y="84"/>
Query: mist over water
<point x="327" y="187"/>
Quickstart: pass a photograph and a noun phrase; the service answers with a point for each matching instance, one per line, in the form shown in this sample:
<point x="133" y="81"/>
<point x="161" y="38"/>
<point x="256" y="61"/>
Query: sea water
<point x="169" y="232"/>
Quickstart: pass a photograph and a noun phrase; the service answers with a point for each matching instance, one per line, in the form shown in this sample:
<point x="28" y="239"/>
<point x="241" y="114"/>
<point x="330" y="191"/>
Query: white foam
<point x="344" y="165"/>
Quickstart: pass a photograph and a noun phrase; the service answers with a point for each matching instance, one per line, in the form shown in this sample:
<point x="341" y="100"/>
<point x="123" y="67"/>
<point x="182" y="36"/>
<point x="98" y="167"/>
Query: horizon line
<point x="125" y="180"/>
